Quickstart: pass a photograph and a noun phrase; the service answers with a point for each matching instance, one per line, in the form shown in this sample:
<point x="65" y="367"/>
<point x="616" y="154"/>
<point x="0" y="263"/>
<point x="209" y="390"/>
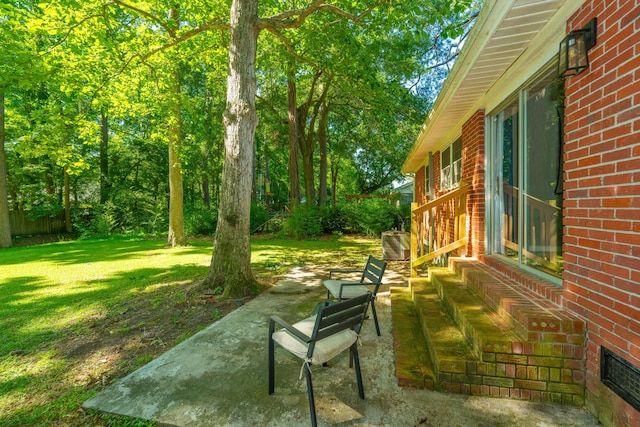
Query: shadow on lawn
<point x="101" y="329"/>
<point x="94" y="333"/>
<point x="80" y="252"/>
<point x="31" y="304"/>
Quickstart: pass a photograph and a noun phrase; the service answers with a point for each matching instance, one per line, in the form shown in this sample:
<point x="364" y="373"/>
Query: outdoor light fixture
<point x="573" y="58"/>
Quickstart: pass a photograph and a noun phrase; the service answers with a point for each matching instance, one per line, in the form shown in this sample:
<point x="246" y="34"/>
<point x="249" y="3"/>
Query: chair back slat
<point x="350" y="323"/>
<point x="373" y="272"/>
<point x="331" y="319"/>
<point x="339" y="319"/>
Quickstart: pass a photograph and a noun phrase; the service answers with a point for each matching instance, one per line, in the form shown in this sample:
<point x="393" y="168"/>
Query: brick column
<point x="473" y="173"/>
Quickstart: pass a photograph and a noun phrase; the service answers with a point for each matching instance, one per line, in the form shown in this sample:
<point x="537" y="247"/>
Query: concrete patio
<point x="218" y="377"/>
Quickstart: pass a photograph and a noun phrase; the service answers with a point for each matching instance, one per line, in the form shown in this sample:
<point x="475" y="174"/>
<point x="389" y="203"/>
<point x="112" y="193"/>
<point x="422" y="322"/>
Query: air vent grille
<point x="620" y="376"/>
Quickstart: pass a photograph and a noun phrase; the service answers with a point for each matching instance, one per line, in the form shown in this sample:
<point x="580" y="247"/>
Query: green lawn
<point x="76" y="316"/>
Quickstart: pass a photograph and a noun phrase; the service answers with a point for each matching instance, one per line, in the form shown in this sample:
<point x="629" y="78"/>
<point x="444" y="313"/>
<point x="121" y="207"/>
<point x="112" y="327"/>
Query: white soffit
<point x="503" y="31"/>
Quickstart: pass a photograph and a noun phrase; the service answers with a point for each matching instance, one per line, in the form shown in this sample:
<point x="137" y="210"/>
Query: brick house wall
<point x="473" y="173"/>
<point x="601" y="246"/>
<point x="419" y="190"/>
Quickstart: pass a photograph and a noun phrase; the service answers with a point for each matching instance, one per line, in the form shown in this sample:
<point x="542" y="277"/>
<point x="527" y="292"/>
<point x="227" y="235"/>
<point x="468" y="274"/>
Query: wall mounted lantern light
<point x="573" y="58"/>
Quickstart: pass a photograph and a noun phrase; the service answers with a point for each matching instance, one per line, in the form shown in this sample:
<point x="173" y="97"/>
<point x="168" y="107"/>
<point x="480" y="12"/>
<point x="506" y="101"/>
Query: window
<point x="451" y="166"/>
<point x="526" y="184"/>
<point x="427" y="181"/>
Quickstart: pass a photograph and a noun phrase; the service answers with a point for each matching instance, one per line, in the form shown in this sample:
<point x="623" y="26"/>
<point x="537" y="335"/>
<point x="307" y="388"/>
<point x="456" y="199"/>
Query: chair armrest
<point x="343" y="284"/>
<point x="354" y="283"/>
<point x="344" y="270"/>
<point x="293" y="331"/>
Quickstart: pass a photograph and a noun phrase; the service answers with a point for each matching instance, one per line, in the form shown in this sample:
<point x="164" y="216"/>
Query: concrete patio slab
<point x="218" y="377"/>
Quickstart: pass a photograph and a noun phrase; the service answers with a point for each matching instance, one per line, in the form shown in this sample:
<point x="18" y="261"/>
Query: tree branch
<point x="148" y="15"/>
<point x="273" y="109"/>
<point x="295" y="18"/>
<point x="291" y="50"/>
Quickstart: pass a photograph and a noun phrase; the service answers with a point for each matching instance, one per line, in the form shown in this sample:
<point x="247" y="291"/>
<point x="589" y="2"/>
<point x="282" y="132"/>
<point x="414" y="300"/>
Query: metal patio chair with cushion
<point x="371" y="278"/>
<point x="319" y="338"/>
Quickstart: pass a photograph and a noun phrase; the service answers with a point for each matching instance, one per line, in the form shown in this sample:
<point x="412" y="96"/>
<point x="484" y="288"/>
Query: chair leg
<point x="312" y="403"/>
<point x="356" y="359"/>
<point x="375" y="316"/>
<point x="271" y="360"/>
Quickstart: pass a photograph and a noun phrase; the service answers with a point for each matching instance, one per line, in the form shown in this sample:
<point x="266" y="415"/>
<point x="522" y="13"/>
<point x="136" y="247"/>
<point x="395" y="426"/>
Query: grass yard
<point x="76" y="316"/>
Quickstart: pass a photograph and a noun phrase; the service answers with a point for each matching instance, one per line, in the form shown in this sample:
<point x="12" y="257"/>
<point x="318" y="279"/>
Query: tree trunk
<point x="104" y="158"/>
<point x="292" y="109"/>
<point x="307" y="147"/>
<point x="231" y="260"/>
<point x="67" y="202"/>
<point x="335" y="167"/>
<point x="5" y="225"/>
<point x="206" y="194"/>
<point x="322" y="141"/>
<point x="208" y="148"/>
<point x="307" y="139"/>
<point x="176" y="218"/>
<point x="267" y="184"/>
<point x="176" y="235"/>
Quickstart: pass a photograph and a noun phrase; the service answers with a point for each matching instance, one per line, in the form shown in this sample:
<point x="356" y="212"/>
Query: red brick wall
<point x="473" y="144"/>
<point x="602" y="197"/>
<point x="419" y="191"/>
<point x="436" y="173"/>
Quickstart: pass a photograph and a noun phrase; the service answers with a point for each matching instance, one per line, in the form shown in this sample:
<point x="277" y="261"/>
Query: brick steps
<point x="484" y="334"/>
<point x="414" y="366"/>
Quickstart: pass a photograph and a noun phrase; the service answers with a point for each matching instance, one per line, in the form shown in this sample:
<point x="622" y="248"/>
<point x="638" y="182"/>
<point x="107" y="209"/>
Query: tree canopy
<point x="124" y="114"/>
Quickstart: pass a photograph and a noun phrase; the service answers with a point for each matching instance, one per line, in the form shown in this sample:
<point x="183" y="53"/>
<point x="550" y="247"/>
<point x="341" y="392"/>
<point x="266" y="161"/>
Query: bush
<point x="200" y="221"/>
<point x="304" y="222"/>
<point x="371" y="217"/>
<point x="100" y="220"/>
<point x="334" y="219"/>
<point x="259" y="215"/>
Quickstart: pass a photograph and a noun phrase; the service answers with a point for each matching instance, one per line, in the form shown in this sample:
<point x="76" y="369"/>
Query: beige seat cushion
<point x="324" y="350"/>
<point x="347" y="291"/>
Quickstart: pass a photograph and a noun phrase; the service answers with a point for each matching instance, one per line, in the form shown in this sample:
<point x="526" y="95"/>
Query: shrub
<point x="259" y="215"/>
<point x="374" y="216"/>
<point x="100" y="220"/>
<point x="334" y="219"/>
<point x="304" y="222"/>
<point x="200" y="220"/>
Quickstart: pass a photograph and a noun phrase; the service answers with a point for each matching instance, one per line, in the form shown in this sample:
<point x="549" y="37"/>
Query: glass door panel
<point x="507" y="203"/>
<point x="526" y="177"/>
<point x="542" y="189"/>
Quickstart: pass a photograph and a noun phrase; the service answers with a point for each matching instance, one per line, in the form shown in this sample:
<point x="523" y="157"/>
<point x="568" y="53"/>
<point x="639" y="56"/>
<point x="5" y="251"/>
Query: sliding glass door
<point x="526" y="171"/>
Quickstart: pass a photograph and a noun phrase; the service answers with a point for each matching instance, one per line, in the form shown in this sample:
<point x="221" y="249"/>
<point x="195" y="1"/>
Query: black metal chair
<point x="319" y="338"/>
<point x="371" y="277"/>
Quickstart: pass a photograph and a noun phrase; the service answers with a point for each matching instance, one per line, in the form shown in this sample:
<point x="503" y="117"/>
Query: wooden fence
<point x="22" y="225"/>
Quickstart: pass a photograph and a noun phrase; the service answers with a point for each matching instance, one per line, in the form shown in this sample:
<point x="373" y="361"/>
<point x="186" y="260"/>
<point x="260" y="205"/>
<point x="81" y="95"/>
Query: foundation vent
<point x="620" y="376"/>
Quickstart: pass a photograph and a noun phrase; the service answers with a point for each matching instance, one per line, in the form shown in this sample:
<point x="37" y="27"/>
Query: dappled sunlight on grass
<point x="74" y="314"/>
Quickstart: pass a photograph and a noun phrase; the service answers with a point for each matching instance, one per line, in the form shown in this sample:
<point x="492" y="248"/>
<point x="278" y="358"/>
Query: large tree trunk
<point x="5" y="226"/>
<point x="176" y="235"/>
<point x="306" y="138"/>
<point x="322" y="141"/>
<point x="231" y="261"/>
<point x="307" y="147"/>
<point x="335" y="167"/>
<point x="104" y="157"/>
<point x="208" y="148"/>
<point x="292" y="109"/>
